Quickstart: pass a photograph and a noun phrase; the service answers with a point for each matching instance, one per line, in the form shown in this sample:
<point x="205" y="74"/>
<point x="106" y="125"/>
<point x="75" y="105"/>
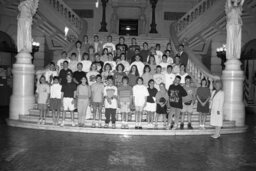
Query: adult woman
<point x="217" y="101"/>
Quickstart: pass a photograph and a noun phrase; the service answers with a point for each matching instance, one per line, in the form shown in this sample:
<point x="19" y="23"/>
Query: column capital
<point x="153" y="3"/>
<point x="104" y="2"/>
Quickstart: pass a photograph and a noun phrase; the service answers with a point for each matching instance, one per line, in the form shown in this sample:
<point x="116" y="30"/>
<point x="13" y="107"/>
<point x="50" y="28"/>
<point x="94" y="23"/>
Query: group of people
<point x="110" y="78"/>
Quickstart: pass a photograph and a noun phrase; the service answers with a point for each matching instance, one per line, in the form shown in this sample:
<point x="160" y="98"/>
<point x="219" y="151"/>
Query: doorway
<point x="128" y="27"/>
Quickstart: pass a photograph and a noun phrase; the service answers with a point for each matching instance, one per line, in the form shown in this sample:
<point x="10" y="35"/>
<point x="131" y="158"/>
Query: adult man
<point x="183" y="55"/>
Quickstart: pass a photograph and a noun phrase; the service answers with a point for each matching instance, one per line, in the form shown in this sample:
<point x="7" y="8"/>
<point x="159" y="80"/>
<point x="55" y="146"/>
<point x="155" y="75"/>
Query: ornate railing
<point x="194" y="13"/>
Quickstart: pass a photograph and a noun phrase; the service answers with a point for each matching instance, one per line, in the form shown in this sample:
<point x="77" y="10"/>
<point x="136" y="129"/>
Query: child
<point x="140" y="65"/>
<point x="133" y="75"/>
<point x="86" y="62"/>
<point x="175" y="92"/>
<point x="104" y="56"/>
<point x="49" y="74"/>
<point x="169" y="77"/>
<point x="164" y="63"/>
<point x="91" y="75"/>
<point x="110" y="94"/>
<point x="147" y="75"/>
<point x="162" y="103"/>
<point x="73" y="62"/>
<point x="151" y="102"/>
<point x="176" y="65"/>
<point x="68" y="94"/>
<point x="111" y="62"/>
<point x="42" y="94"/>
<point x="107" y="72"/>
<point x="182" y="74"/>
<point x="152" y="63"/>
<point x="64" y="72"/>
<point x="158" y="77"/>
<point x="125" y="100"/>
<point x="119" y="74"/>
<point x="97" y="99"/>
<point x="140" y="94"/>
<point x="125" y="63"/>
<point x="188" y="103"/>
<point x="83" y="93"/>
<point x="203" y="96"/>
<point x="55" y="100"/>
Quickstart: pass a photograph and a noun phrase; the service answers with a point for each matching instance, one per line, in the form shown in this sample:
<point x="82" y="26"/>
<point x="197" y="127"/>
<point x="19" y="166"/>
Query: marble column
<point x="153" y="23"/>
<point x="103" y="23"/>
<point x="22" y="99"/>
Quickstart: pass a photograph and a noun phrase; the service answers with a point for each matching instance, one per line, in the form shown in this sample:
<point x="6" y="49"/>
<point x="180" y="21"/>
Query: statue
<point x="113" y="23"/>
<point x="142" y="24"/>
<point x="27" y="9"/>
<point x="234" y="28"/>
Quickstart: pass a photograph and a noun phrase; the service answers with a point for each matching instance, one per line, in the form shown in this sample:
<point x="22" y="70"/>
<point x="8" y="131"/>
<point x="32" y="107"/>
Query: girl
<point x="182" y="74"/>
<point x="86" y="62"/>
<point x="140" y="65"/>
<point x="151" y="102"/>
<point x="104" y="56"/>
<point x="111" y="62"/>
<point x="140" y="94"/>
<point x="133" y="75"/>
<point x="169" y="55"/>
<point x="42" y="96"/>
<point x="158" y="77"/>
<point x="73" y="62"/>
<point x="152" y="63"/>
<point x="217" y="101"/>
<point x="203" y="95"/>
<point x="107" y="72"/>
<point x="164" y="63"/>
<point x="119" y="74"/>
<point x="125" y="63"/>
<point x="147" y="75"/>
<point x="83" y="95"/>
<point x="91" y="75"/>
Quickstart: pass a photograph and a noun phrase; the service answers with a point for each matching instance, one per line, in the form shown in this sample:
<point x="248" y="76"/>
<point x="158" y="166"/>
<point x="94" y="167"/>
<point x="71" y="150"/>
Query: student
<point x="203" y="96"/>
<point x="147" y="75"/>
<point x="158" y="77"/>
<point x="140" y="94"/>
<point x="49" y="74"/>
<point x="162" y="103"/>
<point x="91" y="75"/>
<point x="55" y="100"/>
<point x="144" y="52"/>
<point x="104" y="56"/>
<point x="68" y="95"/>
<point x="125" y="100"/>
<point x="164" y="63"/>
<point x="111" y="62"/>
<point x="86" y="62"/>
<point x="42" y="96"/>
<point x="175" y="92"/>
<point x="97" y="99"/>
<point x="169" y="77"/>
<point x="152" y="63"/>
<point x="188" y="103"/>
<point x="176" y="65"/>
<point x="182" y="74"/>
<point x="109" y="45"/>
<point x="132" y="48"/>
<point x="159" y="53"/>
<point x="139" y="64"/>
<point x="107" y="72"/>
<point x="119" y="74"/>
<point x="110" y="94"/>
<point x="79" y="74"/>
<point x="73" y="62"/>
<point x="86" y="44"/>
<point x="121" y="45"/>
<point x="183" y="55"/>
<point x="133" y="75"/>
<point x="124" y="62"/>
<point x="169" y="57"/>
<point x="157" y="58"/>
<point x="151" y="102"/>
<point x="64" y="57"/>
<point x="64" y="72"/>
<point x="98" y="62"/>
<point x="83" y="93"/>
<point x="97" y="45"/>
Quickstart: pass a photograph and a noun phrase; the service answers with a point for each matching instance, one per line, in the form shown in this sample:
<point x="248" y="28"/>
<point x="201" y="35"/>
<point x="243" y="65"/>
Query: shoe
<point x="93" y="125"/>
<point x="136" y="127"/>
<point x="106" y="126"/>
<point x="203" y="127"/>
<point x="39" y="121"/>
<point x="99" y="125"/>
<point x="215" y="136"/>
<point x="62" y="123"/>
<point x="182" y="125"/>
<point x="43" y="122"/>
<point x="73" y="124"/>
<point x="140" y="127"/>
<point x="113" y="126"/>
<point x="190" y="126"/>
<point x="122" y="126"/>
<point x="126" y="126"/>
<point x="156" y="126"/>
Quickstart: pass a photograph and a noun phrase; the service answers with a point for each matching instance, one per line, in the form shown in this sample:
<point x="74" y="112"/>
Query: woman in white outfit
<point x="217" y="101"/>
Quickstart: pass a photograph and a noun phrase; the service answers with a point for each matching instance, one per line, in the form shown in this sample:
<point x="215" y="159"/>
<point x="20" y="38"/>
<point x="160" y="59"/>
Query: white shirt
<point x="91" y="77"/>
<point x="140" y="92"/>
<point x="169" y="78"/>
<point x="110" y="91"/>
<point x="139" y="65"/>
<point x="182" y="80"/>
<point x="50" y="74"/>
<point x="164" y="66"/>
<point x="126" y="65"/>
<point x="170" y="60"/>
<point x="55" y="91"/>
<point x="159" y="55"/>
<point x="157" y="59"/>
<point x="73" y="65"/>
<point x="86" y="65"/>
<point x="110" y="46"/>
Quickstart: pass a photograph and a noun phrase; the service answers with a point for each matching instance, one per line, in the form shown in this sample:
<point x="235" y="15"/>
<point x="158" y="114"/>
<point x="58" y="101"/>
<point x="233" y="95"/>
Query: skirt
<point x="203" y="109"/>
<point x="161" y="110"/>
<point x="150" y="107"/>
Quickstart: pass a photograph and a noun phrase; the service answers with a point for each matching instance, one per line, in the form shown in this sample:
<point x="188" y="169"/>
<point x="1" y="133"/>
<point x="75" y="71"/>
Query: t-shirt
<point x="159" y="55"/>
<point x="203" y="93"/>
<point x="43" y="90"/>
<point x="49" y="75"/>
<point x="122" y="47"/>
<point x="131" y="52"/>
<point x="190" y="94"/>
<point x="105" y="75"/>
<point x="158" y="78"/>
<point x="118" y="76"/>
<point x="68" y="90"/>
<point x="78" y="75"/>
<point x="86" y="65"/>
<point x="144" y="54"/>
<point x="182" y="80"/>
<point x="112" y="64"/>
<point x="161" y="94"/>
<point x="146" y="77"/>
<point x="83" y="91"/>
<point x="110" y="46"/>
<point x="55" y="91"/>
<point x="169" y="78"/>
<point x="132" y="79"/>
<point x="97" y="92"/>
<point x="73" y="65"/>
<point x="91" y="77"/>
<point x="164" y="66"/>
<point x="63" y="75"/>
<point x="139" y="65"/>
<point x="60" y="63"/>
<point x="110" y="92"/>
<point x="99" y="65"/>
<point x="152" y="95"/>
<point x="170" y="60"/>
<point x="125" y="93"/>
<point x="176" y="92"/>
<point x="176" y="69"/>
<point x="140" y="92"/>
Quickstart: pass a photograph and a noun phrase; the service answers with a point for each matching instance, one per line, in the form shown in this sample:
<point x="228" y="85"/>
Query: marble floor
<point x="26" y="149"/>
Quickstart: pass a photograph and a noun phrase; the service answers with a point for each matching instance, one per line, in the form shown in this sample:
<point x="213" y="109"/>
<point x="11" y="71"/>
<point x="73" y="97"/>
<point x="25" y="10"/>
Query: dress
<point x="203" y="93"/>
<point x="217" y="101"/>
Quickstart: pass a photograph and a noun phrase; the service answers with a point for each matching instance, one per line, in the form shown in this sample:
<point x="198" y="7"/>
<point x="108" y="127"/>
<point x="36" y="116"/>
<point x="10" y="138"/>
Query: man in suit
<point x="183" y="55"/>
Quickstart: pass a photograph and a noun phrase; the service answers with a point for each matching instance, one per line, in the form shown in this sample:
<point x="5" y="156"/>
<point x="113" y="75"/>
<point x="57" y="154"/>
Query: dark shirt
<point x="144" y="54"/>
<point x="68" y="89"/>
<point x="152" y="93"/>
<point x="131" y="52"/>
<point x="99" y="65"/>
<point x="118" y="76"/>
<point x="132" y="79"/>
<point x="176" y="92"/>
<point x="78" y="75"/>
<point x="63" y="75"/>
<point x="183" y="58"/>
<point x="122" y="47"/>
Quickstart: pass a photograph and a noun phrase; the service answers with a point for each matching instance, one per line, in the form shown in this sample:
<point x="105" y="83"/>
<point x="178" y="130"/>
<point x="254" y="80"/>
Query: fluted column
<point x="103" y="23"/>
<point x="153" y="23"/>
<point x="22" y="99"/>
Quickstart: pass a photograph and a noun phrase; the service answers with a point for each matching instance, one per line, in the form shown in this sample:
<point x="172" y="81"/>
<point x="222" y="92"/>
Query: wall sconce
<point x="221" y="53"/>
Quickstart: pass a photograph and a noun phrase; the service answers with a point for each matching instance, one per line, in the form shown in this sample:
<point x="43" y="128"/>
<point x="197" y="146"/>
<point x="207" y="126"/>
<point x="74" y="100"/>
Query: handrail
<point x="193" y="14"/>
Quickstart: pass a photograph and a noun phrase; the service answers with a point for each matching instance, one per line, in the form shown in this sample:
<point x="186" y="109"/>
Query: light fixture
<point x="128" y="28"/>
<point x="97" y="4"/>
<point x="66" y="29"/>
<point x="221" y="53"/>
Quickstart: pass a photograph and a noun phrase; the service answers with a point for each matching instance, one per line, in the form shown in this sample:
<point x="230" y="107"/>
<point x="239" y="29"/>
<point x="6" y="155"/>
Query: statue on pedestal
<point x="234" y="28"/>
<point x="113" y="22"/>
<point x="27" y="10"/>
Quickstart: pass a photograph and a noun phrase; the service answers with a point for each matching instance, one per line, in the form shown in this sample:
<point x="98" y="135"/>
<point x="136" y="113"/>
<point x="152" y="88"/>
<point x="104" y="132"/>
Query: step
<point x="123" y="132"/>
<point x="88" y="123"/>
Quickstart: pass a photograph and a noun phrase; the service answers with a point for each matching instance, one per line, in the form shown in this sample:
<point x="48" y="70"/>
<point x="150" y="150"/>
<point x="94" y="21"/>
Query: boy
<point x="55" y="100"/>
<point x="68" y="94"/>
<point x="188" y="102"/>
<point x="79" y="74"/>
<point x="110" y="45"/>
<point x="110" y="94"/>
<point x="125" y="100"/>
<point x="49" y="74"/>
<point x="97" y="97"/>
<point x="169" y="77"/>
<point x="64" y="72"/>
<point x="176" y="92"/>
<point x="64" y="57"/>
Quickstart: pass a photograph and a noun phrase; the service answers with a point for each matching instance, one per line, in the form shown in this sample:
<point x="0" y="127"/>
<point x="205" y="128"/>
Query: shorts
<point x="187" y="108"/>
<point x="67" y="104"/>
<point x="175" y="111"/>
<point x="139" y="108"/>
<point x="55" y="104"/>
<point x="42" y="106"/>
<point x="124" y="107"/>
<point x="150" y="107"/>
<point x="96" y="105"/>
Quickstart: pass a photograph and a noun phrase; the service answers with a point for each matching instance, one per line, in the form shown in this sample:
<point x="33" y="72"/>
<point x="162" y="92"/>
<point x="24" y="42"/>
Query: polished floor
<point x="26" y="149"/>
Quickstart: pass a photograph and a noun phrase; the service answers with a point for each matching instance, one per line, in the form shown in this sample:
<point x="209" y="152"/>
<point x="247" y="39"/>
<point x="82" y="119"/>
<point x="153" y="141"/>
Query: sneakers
<point x="43" y="122"/>
<point x="215" y="136"/>
<point x="182" y="125"/>
<point x="126" y="126"/>
<point x="93" y="125"/>
<point x="122" y="126"/>
<point x="190" y="126"/>
<point x="106" y="126"/>
<point x="99" y="125"/>
<point x="73" y="124"/>
<point x="62" y="123"/>
<point x="113" y="126"/>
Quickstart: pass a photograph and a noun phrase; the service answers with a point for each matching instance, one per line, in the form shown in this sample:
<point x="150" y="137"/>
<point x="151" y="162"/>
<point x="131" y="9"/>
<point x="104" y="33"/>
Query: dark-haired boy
<point x="55" y="99"/>
<point x="64" y="72"/>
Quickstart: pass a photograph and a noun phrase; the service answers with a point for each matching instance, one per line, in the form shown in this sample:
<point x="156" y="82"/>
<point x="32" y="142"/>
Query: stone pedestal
<point x="22" y="99"/>
<point x="233" y="78"/>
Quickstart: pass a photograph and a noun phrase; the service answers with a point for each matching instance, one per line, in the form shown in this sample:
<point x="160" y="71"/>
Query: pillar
<point x="103" y="23"/>
<point x="153" y="23"/>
